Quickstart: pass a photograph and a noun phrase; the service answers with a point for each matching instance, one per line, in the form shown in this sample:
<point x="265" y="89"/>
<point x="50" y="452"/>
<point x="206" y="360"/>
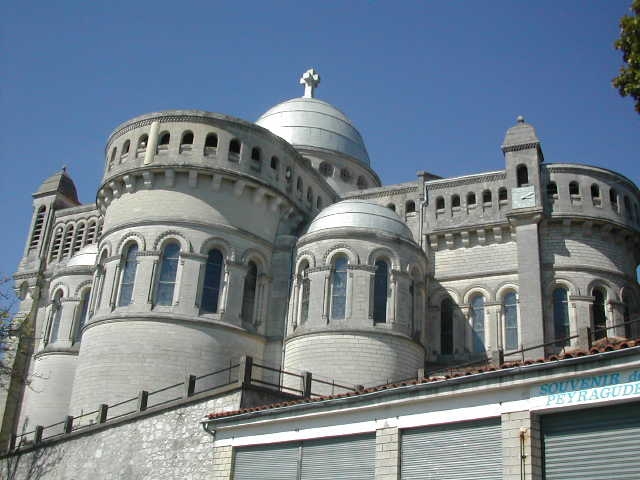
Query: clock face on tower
<point x="523" y="197"/>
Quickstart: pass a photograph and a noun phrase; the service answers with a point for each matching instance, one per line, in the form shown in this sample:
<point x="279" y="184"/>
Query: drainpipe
<point x="210" y="431"/>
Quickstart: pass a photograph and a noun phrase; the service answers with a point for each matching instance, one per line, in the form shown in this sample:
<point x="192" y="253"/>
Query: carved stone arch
<point x="104" y="247"/>
<point x="54" y="289"/>
<point x="606" y="285"/>
<point x="129" y="238"/>
<point x="258" y="257"/>
<point x="305" y="255"/>
<point x="506" y="287"/>
<point x="164" y="237"/>
<point x="228" y="252"/>
<point x="561" y="282"/>
<point x="475" y="289"/>
<point x="354" y="259"/>
<point x="81" y="287"/>
<point x="386" y="253"/>
<point x="439" y="295"/>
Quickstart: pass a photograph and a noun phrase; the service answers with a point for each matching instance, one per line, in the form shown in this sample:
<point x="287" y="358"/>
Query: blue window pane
<point x="249" y="293"/>
<point x="128" y="276"/>
<point x="380" y="288"/>
<point x="82" y="318"/>
<point x="212" y="279"/>
<point x="477" y="315"/>
<point x="511" y="321"/>
<point x="167" y="275"/>
<point x="561" y="315"/>
<point x="339" y="288"/>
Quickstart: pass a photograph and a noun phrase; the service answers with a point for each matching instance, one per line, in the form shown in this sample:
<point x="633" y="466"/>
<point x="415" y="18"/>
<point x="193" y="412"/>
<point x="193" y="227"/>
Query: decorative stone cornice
<point x="493" y="177"/>
<point x="518" y="148"/>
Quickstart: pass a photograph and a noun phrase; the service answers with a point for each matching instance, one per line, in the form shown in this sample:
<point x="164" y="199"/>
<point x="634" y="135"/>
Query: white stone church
<point x="213" y="238"/>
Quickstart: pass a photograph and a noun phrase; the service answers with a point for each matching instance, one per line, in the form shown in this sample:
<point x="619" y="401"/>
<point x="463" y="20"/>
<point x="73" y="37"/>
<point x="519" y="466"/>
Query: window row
<point x="54" y="324"/>
<point x="69" y="239"/>
<point x="471" y="200"/>
<point x="165" y="276"/>
<point x="328" y="170"/>
<point x="575" y="193"/>
<point x="409" y="207"/>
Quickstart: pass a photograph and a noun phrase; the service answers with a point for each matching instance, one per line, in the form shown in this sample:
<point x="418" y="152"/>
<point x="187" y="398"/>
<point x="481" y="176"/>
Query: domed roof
<point x="86" y="257"/>
<point x="360" y="214"/>
<point x="309" y="122"/>
<point x="58" y="183"/>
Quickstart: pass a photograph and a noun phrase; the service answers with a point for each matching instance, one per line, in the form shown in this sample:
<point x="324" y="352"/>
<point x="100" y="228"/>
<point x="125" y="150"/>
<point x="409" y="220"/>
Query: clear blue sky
<point x="431" y="85"/>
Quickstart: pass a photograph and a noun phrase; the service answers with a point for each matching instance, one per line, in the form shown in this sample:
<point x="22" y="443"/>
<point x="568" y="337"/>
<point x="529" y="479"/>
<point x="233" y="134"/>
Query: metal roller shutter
<point x="267" y="462"/>
<point x="596" y="443"/>
<point x="462" y="451"/>
<point x="343" y="457"/>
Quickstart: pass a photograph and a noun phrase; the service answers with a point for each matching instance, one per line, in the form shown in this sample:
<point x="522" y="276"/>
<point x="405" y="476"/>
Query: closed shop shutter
<point x="596" y="443"/>
<point x="465" y="450"/>
<point x="267" y="462"/>
<point x="343" y="457"/>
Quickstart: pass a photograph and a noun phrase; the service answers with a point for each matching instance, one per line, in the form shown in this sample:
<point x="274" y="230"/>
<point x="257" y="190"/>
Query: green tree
<point x="8" y="330"/>
<point x="628" y="80"/>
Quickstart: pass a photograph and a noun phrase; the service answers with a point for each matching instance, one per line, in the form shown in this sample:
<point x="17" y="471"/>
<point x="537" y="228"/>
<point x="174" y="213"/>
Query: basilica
<point x="213" y="239"/>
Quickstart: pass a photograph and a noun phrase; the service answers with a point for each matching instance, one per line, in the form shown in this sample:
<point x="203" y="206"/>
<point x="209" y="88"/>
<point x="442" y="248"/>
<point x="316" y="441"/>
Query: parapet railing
<point x="241" y="373"/>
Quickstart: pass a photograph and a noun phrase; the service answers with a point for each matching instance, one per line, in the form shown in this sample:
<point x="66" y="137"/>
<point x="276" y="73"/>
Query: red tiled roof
<point x="604" y="345"/>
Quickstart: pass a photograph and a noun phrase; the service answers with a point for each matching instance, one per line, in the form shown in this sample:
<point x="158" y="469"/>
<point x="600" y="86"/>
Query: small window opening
<point x="471" y="199"/>
<point x="319" y="203"/>
<point x="362" y="183"/>
<point x="595" y="191"/>
<point x="255" y="154"/>
<point x="486" y="196"/>
<point x="391" y="206"/>
<point x="309" y="194"/>
<point x="455" y="201"/>
<point x="187" y="138"/>
<point x="522" y="175"/>
<point x="552" y="189"/>
<point x="163" y="143"/>
<point x="574" y="188"/>
<point x="502" y="195"/>
<point x="125" y="149"/>
<point x="299" y="185"/>
<point x="234" y="146"/>
<point x="440" y="203"/>
<point x="326" y="169"/>
<point x="210" y="143"/>
<point x="142" y="143"/>
<point x="410" y="207"/>
<point x="613" y="198"/>
<point x="345" y="175"/>
<point x="274" y="163"/>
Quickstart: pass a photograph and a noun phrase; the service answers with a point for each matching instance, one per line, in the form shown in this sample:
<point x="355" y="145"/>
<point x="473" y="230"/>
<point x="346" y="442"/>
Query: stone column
<point x="616" y="317"/>
<point x="387" y="465"/>
<point x="531" y="324"/>
<point x="521" y="446"/>
<point x="192" y="270"/>
<point x="582" y="305"/>
<point x="235" y="274"/>
<point x="144" y="286"/>
<point x="493" y="327"/>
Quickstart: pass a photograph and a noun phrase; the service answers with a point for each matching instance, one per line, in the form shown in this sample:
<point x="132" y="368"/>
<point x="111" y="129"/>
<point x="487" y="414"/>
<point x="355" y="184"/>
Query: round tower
<point x="356" y="312"/>
<point x="197" y="207"/>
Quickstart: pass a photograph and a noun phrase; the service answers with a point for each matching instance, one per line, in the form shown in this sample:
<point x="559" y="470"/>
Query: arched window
<point x="626" y="313"/>
<point x="319" y="203"/>
<point x="125" y="150"/>
<point x="446" y="327"/>
<point x="166" y="283"/>
<point x="309" y="195"/>
<point x="345" y="175"/>
<point x="210" y="143"/>
<point x="79" y="237"/>
<point x="142" y="144"/>
<point x="361" y="183"/>
<point x="339" y="287"/>
<point x="299" y="185"/>
<point x="613" y="198"/>
<point x="234" y="146"/>
<point x="100" y="276"/>
<point x="574" y="188"/>
<point x="410" y="206"/>
<point x="255" y="154"/>
<point x="380" y="291"/>
<point x="561" y="315"/>
<point x="37" y="227"/>
<point x="212" y="281"/>
<point x="68" y="241"/>
<point x="187" y="138"/>
<point x="486" y="197"/>
<point x="595" y="194"/>
<point x="163" y="141"/>
<point x="326" y="169"/>
<point x="83" y="310"/>
<point x="522" y="175"/>
<point x="304" y="292"/>
<point x="599" y="313"/>
<point x="471" y="199"/>
<point x="477" y="323"/>
<point x="128" y="278"/>
<point x="510" y="309"/>
<point x="57" y="242"/>
<point x="440" y="203"/>
<point x="552" y="190"/>
<point x="391" y="206"/>
<point x="112" y="159"/>
<point x="628" y="212"/>
<point x="502" y="195"/>
<point x="455" y="201"/>
<point x="56" y="315"/>
<point x="249" y="292"/>
<point x="91" y="232"/>
<point x="274" y="163"/>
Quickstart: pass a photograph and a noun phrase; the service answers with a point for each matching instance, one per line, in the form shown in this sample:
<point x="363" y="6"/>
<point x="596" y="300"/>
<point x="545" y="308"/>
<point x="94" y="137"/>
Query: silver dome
<point x="360" y="214"/>
<point x="309" y="122"/>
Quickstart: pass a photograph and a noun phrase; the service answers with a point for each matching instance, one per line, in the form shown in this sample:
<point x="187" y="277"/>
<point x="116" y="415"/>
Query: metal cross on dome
<point x="310" y="79"/>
